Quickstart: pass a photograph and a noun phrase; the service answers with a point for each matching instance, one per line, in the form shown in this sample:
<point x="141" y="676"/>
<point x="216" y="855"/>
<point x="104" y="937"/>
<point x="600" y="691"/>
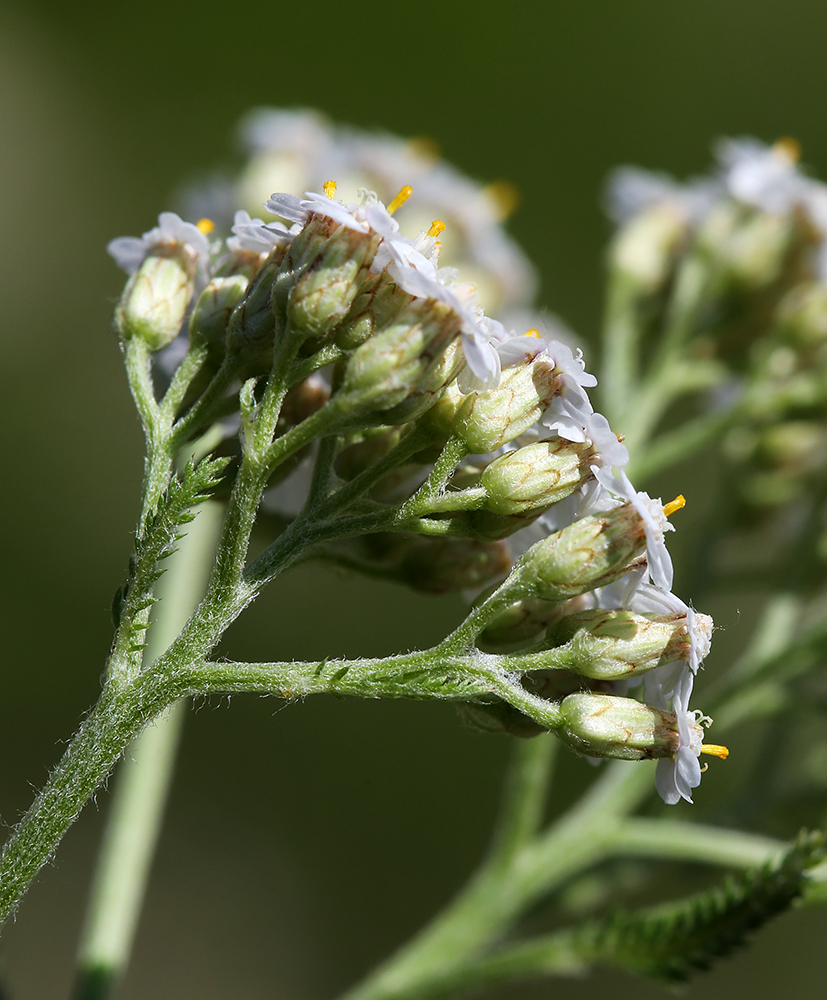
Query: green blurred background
<point x="304" y="843"/>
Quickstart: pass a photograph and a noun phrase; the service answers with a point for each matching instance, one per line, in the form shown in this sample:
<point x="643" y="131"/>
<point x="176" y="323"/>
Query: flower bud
<point x="251" y="329"/>
<point x="378" y="302"/>
<point x="536" y="476"/>
<point x="214" y="307"/>
<point x="604" y="725"/>
<point x="750" y="248"/>
<point x="488" y="420"/>
<point x="322" y="273"/>
<point x="802" y="315"/>
<point x="365" y="451"/>
<point x="589" y="553"/>
<point x="522" y="621"/>
<point x="450" y="565"/>
<point x="414" y="356"/>
<point x="157" y="296"/>
<point x="645" y="249"/>
<point x="613" y="645"/>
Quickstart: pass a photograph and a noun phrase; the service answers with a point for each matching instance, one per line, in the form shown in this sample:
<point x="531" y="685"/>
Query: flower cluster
<point x="513" y="474"/>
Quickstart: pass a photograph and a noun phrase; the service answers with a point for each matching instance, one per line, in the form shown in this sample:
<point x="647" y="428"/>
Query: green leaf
<point x="671" y="942"/>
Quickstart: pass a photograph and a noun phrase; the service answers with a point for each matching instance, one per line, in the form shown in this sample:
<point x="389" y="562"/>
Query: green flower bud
<point x="604" y="725"/>
<point x="488" y="420"/>
<point x="214" y="307"/>
<point x="536" y="476"/>
<point x="522" y="621"/>
<point x="251" y="329"/>
<point x="365" y="451"/>
<point x="611" y="645"/>
<point x="378" y="302"/>
<point x="450" y="565"/>
<point x="591" y="552"/>
<point x="323" y="271"/>
<point x="415" y="356"/>
<point x="157" y="296"/>
<point x="750" y="248"/>
<point x="802" y="315"/>
<point x="646" y="248"/>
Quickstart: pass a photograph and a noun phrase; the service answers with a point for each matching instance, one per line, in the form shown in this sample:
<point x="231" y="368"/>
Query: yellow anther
<point x="437" y="227"/>
<point x="789" y="148"/>
<point x="205" y="225"/>
<point x="670" y="508"/>
<point x="504" y="196"/>
<point x="330" y="189"/>
<point x="714" y="750"/>
<point x="534" y="333"/>
<point x="400" y="199"/>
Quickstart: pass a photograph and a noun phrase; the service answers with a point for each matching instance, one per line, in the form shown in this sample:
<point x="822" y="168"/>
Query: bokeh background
<point x="304" y="843"/>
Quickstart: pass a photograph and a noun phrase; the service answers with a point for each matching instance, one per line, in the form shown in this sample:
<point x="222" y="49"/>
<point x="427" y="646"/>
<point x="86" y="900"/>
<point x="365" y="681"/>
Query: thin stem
<point x="208" y="403"/>
<point x="621" y="337"/>
<point x="673" y="840"/>
<point x="679" y="445"/>
<point x="524" y="798"/>
<point x="323" y="470"/>
<point x="416" y="438"/>
<point x="505" y="595"/>
<point x="143" y="782"/>
<point x="182" y="379"/>
<point x="137" y="361"/>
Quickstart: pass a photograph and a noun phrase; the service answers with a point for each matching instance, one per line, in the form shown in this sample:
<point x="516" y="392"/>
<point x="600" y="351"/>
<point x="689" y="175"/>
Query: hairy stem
<point x="143" y="782"/>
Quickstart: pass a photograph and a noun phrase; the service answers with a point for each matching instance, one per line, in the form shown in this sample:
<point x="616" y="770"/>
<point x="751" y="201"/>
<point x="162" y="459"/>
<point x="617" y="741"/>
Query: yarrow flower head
<point x="654" y="516"/>
<point x="677" y="776"/>
<point x="129" y="252"/>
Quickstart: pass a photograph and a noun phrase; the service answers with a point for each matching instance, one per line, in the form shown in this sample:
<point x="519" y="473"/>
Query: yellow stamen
<point x="504" y="196"/>
<point x="400" y="199"/>
<point x="206" y="226"/>
<point x="715" y="750"/>
<point x="330" y="189"/>
<point x="788" y="148"/>
<point x="670" y="508"/>
<point x="534" y="333"/>
<point x="437" y="227"/>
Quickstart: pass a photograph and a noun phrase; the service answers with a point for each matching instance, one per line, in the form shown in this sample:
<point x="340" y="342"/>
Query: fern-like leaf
<point x="671" y="942"/>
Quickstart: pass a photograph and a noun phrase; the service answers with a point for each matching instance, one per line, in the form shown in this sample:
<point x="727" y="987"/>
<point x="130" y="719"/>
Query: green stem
<point x="143" y="782"/>
<point x="673" y="840"/>
<point x="182" y="379"/>
<point x="679" y="445"/>
<point x="621" y="337"/>
<point x="137" y="362"/>
<point x="503" y="597"/>
<point x="524" y="797"/>
<point x="495" y="898"/>
<point x="210" y="402"/>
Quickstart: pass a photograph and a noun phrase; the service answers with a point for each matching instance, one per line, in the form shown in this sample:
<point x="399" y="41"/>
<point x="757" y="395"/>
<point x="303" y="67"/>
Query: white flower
<point x="253" y="236"/>
<point x="655" y="523"/>
<point x="631" y="190"/>
<point x="766" y="177"/>
<point x="569" y="421"/>
<point x="675" y="777"/>
<point x="129" y="252"/>
<point x="298" y="210"/>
